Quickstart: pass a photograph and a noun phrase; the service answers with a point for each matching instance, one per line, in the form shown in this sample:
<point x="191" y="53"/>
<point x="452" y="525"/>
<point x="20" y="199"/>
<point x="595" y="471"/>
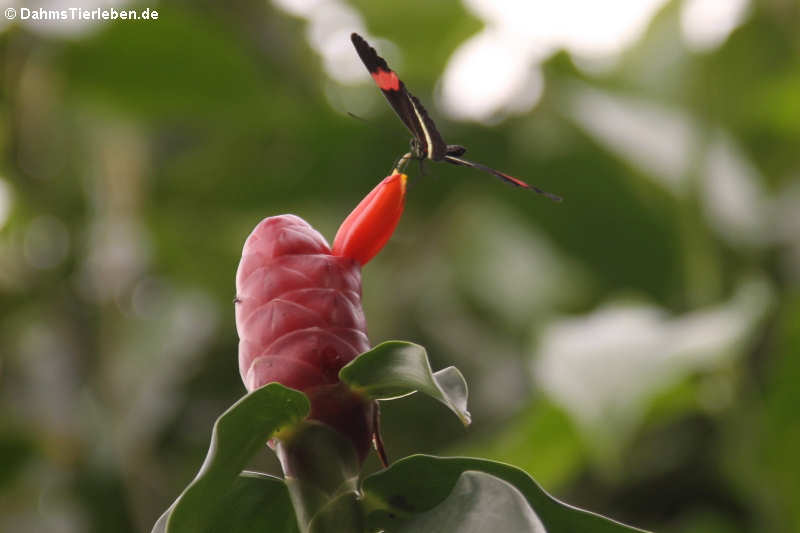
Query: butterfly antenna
<point x="353" y="115"/>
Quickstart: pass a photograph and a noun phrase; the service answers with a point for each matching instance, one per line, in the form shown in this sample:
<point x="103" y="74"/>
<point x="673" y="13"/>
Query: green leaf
<point x="255" y="502"/>
<point x="479" y="502"/>
<point x="419" y="483"/>
<point x="394" y="369"/>
<point x="237" y="435"/>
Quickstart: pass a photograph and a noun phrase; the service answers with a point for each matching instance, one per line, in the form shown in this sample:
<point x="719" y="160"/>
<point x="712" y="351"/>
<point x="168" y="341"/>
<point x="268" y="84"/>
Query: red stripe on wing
<point x="502" y="175"/>
<point x="386" y="80"/>
<point x="515" y="181"/>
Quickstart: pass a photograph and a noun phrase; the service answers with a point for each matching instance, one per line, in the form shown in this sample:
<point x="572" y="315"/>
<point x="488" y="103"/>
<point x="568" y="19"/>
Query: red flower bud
<point x="367" y="229"/>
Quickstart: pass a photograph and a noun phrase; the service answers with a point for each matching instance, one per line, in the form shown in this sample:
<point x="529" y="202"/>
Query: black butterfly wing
<point x="406" y="105"/>
<point x="436" y="148"/>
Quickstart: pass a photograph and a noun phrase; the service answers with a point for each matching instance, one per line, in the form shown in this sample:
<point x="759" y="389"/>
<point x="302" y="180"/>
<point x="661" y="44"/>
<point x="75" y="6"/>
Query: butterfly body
<point x="419" y="151"/>
<point x="426" y="142"/>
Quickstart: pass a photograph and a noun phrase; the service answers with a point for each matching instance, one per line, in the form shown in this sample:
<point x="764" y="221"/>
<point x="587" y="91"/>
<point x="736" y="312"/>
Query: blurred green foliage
<point x="136" y="158"/>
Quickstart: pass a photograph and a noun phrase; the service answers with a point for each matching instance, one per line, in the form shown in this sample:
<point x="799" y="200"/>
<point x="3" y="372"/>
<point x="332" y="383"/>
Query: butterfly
<point x="427" y="142"/>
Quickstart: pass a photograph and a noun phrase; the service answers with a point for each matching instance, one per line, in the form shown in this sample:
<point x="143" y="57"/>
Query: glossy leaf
<point x="394" y="369"/>
<point x="417" y="484"/>
<point x="479" y="502"/>
<point x="237" y="435"/>
<point x="255" y="502"/>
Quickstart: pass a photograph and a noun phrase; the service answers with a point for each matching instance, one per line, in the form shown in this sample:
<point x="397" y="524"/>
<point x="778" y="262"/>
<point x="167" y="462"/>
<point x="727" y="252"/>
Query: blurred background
<point x="636" y="348"/>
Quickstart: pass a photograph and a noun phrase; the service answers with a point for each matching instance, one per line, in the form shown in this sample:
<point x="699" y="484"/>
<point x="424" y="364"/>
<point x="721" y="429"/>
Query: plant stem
<point x="321" y="468"/>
